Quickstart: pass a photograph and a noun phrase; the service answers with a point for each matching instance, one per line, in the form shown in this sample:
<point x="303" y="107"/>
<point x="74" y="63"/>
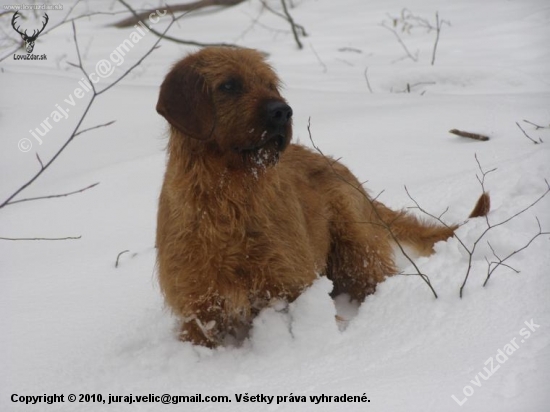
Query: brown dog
<point x="245" y="217"/>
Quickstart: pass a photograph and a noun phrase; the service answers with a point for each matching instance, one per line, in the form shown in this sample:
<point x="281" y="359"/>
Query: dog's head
<point x="229" y="99"/>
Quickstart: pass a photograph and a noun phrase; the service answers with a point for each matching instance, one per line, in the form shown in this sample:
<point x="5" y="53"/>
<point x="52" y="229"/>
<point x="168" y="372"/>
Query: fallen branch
<point x="187" y="7"/>
<point x="469" y="135"/>
<point x="170" y="38"/>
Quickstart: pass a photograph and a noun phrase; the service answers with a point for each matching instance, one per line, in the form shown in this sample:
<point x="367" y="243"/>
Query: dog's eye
<point x="230" y="86"/>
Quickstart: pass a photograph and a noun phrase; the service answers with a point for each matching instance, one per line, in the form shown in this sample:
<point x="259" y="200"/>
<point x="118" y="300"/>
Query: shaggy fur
<point x="245" y="217"/>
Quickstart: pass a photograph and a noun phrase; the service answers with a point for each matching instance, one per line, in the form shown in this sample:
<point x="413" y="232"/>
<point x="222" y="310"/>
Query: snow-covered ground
<point x="72" y="323"/>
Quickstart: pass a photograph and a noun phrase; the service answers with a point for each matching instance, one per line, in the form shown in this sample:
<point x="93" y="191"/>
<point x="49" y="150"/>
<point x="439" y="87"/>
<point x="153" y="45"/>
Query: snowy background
<point x="71" y="322"/>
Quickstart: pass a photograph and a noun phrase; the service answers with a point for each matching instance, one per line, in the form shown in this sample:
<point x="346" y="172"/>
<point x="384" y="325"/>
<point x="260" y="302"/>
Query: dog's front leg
<point x="208" y="319"/>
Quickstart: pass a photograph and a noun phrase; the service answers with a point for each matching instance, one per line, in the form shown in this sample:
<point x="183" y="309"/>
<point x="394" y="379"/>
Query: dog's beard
<point x="260" y="159"/>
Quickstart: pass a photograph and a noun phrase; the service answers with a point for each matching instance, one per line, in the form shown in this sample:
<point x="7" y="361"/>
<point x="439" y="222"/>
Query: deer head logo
<point x="29" y="40"/>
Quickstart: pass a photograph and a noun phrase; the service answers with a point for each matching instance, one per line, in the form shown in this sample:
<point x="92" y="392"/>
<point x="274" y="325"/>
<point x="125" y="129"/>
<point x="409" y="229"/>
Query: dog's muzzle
<point x="275" y="135"/>
<point x="273" y="139"/>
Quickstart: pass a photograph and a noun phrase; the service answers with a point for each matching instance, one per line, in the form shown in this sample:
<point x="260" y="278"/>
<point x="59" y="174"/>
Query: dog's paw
<point x="199" y="333"/>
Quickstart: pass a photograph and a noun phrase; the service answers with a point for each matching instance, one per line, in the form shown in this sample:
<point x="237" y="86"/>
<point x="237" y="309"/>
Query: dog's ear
<point x="185" y="101"/>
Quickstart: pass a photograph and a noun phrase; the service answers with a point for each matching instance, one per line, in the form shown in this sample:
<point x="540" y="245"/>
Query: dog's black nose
<point x="279" y="113"/>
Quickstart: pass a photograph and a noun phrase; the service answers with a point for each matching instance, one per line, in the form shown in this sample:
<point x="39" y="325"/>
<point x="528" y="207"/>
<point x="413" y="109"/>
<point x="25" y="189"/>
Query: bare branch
<point x="412" y="86"/>
<point x="490" y="226"/>
<point x="526" y="135"/>
<point x="492" y="266"/>
<point x="292" y="25"/>
<point x="75" y="131"/>
<point x="95" y="127"/>
<point x="284" y="17"/>
<point x="437" y="32"/>
<point x="53" y="196"/>
<point x="537" y="127"/>
<point x="409" y="54"/>
<point x="55" y="156"/>
<point x="253" y="23"/>
<point x="318" y="58"/>
<point x="80" y="65"/>
<point x="468" y="250"/>
<point x="407" y="22"/>
<point x="483" y="174"/>
<point x="40" y="161"/>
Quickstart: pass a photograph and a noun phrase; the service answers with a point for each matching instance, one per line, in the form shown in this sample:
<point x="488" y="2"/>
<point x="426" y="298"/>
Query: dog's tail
<point x="482" y="206"/>
<point x="420" y="235"/>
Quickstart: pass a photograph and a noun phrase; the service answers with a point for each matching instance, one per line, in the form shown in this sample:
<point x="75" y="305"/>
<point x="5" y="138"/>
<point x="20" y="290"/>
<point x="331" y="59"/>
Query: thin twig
<point x="284" y="17"/>
<point x="537" y="127"/>
<point x="251" y="26"/>
<point x="53" y="196"/>
<point x="318" y="58"/>
<point x="408" y="21"/>
<point x="39" y="161"/>
<point x="118" y="257"/>
<point x="96" y="127"/>
<point x="411" y="86"/>
<point x="80" y="65"/>
<point x="526" y="135"/>
<point x="500" y="262"/>
<point x="350" y="49"/>
<point x="437" y="31"/>
<point x="409" y="55"/>
<point x="367" y="79"/>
